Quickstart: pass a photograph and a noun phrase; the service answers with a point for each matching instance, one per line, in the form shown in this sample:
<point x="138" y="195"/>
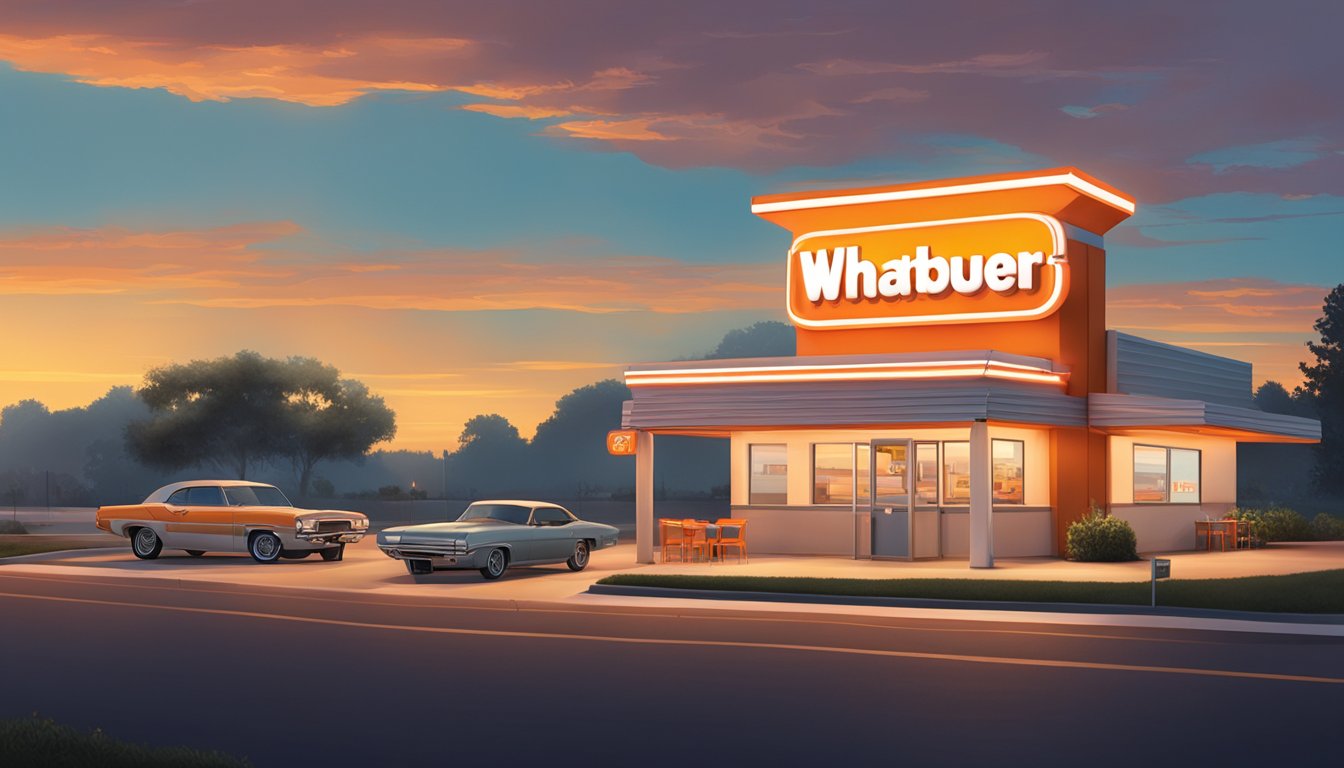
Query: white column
<point x="982" y="521"/>
<point x="644" y="497"/>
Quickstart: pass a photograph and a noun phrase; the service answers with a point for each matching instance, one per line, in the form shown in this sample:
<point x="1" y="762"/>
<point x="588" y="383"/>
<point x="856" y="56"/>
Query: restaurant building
<point x="955" y="392"/>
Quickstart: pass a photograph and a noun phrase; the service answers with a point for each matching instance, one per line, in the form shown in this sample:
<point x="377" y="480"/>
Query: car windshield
<point x="255" y="496"/>
<point x="508" y="513"/>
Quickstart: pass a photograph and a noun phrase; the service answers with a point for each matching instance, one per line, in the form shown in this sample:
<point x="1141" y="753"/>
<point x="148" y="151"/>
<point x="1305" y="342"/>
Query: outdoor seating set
<point x="1228" y="532"/>
<point x="690" y="541"/>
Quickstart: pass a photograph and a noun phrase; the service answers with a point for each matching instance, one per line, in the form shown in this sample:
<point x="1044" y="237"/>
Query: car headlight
<point x="298" y="525"/>
<point x="362" y="522"/>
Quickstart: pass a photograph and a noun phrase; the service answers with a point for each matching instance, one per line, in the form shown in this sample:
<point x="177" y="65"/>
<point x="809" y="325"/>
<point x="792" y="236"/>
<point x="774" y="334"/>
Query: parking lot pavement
<point x="365" y="569"/>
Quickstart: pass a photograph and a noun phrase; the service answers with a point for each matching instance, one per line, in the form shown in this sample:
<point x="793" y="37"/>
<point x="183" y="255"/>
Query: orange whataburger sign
<point x="963" y="270"/>
<point x="621" y="442"/>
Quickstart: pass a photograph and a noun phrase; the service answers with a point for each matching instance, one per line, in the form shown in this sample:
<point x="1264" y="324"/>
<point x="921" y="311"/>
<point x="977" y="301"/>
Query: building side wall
<point x="1171" y="527"/>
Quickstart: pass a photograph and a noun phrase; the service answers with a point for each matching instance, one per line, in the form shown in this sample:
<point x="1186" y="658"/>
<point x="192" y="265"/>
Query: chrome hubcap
<point x="581" y="554"/>
<point x="496" y="562"/>
<point x="265" y="547"/>
<point x="144" y="541"/>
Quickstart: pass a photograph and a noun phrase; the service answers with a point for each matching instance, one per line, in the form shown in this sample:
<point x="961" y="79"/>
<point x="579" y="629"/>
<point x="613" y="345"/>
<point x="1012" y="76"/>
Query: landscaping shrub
<point x="1099" y="538"/>
<point x="10" y="527"/>
<point x="1284" y="524"/>
<point x="1326" y="527"/>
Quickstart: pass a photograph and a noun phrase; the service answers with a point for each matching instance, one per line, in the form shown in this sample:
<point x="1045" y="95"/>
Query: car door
<point x="204" y="522"/>
<point x="554" y="537"/>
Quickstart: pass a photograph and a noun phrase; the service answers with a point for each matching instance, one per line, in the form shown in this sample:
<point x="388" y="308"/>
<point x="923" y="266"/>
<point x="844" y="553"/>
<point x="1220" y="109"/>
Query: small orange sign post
<point x="621" y="442"/>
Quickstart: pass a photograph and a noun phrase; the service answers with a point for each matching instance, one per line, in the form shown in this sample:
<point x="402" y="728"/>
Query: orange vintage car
<point x="202" y="516"/>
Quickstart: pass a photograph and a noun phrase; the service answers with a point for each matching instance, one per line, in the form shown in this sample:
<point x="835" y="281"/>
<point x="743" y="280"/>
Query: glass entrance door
<point x="890" y="499"/>
<point x="926" y="525"/>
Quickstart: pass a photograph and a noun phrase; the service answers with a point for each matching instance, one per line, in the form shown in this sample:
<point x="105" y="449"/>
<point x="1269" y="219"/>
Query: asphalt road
<point x="289" y="678"/>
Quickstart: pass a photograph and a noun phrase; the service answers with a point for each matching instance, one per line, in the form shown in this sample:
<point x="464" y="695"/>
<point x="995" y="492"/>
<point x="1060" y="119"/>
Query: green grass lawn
<point x="37" y="741"/>
<point x="32" y="544"/>
<point x="1317" y="592"/>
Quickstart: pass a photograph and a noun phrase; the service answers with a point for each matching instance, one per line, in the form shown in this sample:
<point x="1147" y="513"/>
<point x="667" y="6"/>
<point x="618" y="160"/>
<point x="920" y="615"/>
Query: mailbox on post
<point x="1161" y="570"/>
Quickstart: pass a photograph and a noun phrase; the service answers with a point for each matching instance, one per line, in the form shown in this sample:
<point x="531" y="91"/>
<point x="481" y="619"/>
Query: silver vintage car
<point x="492" y="535"/>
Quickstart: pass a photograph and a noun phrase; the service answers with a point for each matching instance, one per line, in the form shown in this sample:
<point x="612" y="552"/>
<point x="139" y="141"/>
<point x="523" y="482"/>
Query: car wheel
<point x="195" y="552"/>
<point x="579" y="560"/>
<point x="496" y="562"/>
<point x="146" y="544"/>
<point x="265" y="547"/>
<point x="334" y="554"/>
<point x="418" y="567"/>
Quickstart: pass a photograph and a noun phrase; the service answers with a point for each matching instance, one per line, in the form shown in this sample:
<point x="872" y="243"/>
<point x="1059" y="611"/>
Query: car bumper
<point x="435" y="556"/>
<point x="310" y="540"/>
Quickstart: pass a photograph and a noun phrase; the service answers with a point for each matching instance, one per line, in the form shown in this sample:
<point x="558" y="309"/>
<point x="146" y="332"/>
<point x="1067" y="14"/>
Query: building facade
<point x="955" y="391"/>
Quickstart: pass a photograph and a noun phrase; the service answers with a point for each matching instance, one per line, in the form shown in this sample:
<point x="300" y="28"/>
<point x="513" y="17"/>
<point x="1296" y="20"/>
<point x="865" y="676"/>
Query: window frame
<point x="1166" y="483"/>
<point x="751" y="475"/>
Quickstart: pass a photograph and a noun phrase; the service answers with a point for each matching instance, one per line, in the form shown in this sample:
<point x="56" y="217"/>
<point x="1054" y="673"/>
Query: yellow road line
<point x="676" y="615"/>
<point x="956" y="657"/>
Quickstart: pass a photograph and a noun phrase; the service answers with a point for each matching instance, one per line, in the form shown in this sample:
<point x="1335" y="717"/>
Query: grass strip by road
<point x="40" y="741"/>
<point x="33" y="544"/>
<point x="1316" y="592"/>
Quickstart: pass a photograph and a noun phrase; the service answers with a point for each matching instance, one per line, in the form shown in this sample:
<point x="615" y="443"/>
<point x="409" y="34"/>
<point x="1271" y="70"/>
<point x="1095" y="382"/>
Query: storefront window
<point x="926" y="473"/>
<point x="1165" y="475"/>
<point x="1184" y="476"/>
<point x="833" y="473"/>
<point x="1007" y="462"/>
<point x="769" y="474"/>
<point x="1008" y="465"/>
<point x="956" y="473"/>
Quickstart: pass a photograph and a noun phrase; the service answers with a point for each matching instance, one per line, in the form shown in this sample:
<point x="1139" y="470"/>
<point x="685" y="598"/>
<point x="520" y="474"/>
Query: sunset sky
<point x="476" y="207"/>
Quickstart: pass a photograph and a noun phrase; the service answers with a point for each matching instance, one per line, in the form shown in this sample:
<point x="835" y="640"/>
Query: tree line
<point x="298" y="424"/>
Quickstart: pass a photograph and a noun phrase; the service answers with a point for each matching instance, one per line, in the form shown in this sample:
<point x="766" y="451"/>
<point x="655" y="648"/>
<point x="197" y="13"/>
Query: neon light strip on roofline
<point x="827" y="373"/>
<point x="1067" y="179"/>
<point x="893" y="365"/>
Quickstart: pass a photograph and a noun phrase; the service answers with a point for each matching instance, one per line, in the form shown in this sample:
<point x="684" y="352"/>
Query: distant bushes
<point x="40" y="741"/>
<point x="1284" y="524"/>
<point x="11" y="527"/>
<point x="1099" y="538"/>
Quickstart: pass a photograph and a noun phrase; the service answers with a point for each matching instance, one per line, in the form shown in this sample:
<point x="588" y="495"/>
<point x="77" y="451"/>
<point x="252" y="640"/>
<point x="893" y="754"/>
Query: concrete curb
<point x="57" y="553"/>
<point x="972" y="605"/>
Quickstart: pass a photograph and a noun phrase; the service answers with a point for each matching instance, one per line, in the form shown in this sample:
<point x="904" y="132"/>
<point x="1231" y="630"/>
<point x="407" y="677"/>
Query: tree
<point x="1324" y="385"/>
<point x="1272" y="397"/>
<point x="243" y="411"/>
<point x="331" y="418"/>
<point x="764" y="339"/>
<point x="228" y="412"/>
<point x="491" y="456"/>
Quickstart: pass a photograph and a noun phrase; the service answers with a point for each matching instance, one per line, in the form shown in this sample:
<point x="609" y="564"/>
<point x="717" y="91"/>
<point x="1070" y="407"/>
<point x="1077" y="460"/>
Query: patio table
<point x="1207" y="528"/>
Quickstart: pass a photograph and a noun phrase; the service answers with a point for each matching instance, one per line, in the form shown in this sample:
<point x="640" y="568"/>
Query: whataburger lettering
<point x="979" y="269"/>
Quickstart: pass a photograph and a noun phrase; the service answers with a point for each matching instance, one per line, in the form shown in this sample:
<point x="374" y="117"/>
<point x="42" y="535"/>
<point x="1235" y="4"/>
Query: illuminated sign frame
<point x="1057" y="259"/>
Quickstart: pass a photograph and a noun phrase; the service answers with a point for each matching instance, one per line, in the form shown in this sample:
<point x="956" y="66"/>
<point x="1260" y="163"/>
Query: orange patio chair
<point x="673" y="539"/>
<point x="738" y="539"/>
<point x="696" y="537"/>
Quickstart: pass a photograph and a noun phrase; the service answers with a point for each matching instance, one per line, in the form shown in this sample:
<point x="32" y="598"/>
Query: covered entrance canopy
<point x="963" y="390"/>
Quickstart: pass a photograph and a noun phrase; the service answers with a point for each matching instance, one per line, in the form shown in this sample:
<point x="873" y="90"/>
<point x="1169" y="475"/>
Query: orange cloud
<point x="306" y="74"/>
<point x="224" y="268"/>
